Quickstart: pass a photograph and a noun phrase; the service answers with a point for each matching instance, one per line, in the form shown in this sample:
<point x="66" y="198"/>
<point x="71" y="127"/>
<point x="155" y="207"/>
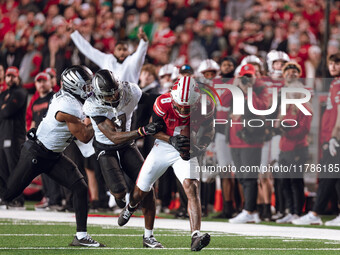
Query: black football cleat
<point x="151" y="242"/>
<point x="121" y="203"/>
<point x="199" y="242"/>
<point x="86" y="241"/>
<point x="125" y="215"/>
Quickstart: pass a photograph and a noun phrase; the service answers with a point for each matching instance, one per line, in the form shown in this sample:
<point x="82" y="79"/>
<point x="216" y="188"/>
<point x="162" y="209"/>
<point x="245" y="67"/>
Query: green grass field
<point x="28" y="237"/>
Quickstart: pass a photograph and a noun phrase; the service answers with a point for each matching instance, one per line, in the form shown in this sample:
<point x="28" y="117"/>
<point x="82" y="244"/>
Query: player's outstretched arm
<point x="81" y="130"/>
<point x="109" y="130"/>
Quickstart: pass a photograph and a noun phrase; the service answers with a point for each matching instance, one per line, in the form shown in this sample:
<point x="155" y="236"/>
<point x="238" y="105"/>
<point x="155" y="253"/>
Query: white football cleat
<point x="335" y="222"/>
<point x="245" y="217"/>
<point x="308" y="219"/>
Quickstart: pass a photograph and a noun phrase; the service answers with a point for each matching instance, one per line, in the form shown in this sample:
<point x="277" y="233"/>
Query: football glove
<point x="179" y="142"/>
<point x="32" y="134"/>
<point x="150" y="129"/>
<point x="333" y="144"/>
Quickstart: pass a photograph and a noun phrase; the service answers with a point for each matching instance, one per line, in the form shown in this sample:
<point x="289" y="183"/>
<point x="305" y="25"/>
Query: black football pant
<point x="328" y="180"/>
<point x="115" y="163"/>
<point x="9" y="157"/>
<point x="242" y="158"/>
<point x="35" y="160"/>
<point x="292" y="183"/>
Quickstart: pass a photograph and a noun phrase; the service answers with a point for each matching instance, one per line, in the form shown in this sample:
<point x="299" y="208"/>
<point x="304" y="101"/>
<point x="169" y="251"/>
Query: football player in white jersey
<point x="42" y="153"/>
<point x="172" y="148"/>
<point x="110" y="109"/>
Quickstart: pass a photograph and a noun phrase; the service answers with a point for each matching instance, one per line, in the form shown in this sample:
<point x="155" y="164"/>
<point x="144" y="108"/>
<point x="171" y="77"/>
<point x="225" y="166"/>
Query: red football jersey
<point x="222" y="111"/>
<point x="296" y="137"/>
<point x="331" y="113"/>
<point x="174" y="124"/>
<point x="272" y="83"/>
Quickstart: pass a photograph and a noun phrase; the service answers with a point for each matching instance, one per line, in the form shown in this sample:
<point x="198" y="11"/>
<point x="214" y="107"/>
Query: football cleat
<point x="198" y="242"/>
<point x="3" y="205"/>
<point x="335" y="222"/>
<point x="151" y="242"/>
<point x="86" y="241"/>
<point x="308" y="219"/>
<point x="121" y="202"/>
<point x="125" y="215"/>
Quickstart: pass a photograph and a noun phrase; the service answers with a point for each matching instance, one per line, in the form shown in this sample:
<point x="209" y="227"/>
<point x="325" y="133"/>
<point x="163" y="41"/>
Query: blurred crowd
<point x="208" y="39"/>
<point x="33" y="33"/>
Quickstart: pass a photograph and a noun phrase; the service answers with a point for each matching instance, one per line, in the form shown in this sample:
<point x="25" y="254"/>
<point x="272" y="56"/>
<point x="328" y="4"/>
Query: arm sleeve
<point x="14" y="103"/>
<point x="86" y="48"/>
<point x="99" y="119"/>
<point x="138" y="57"/>
<point x="157" y="119"/>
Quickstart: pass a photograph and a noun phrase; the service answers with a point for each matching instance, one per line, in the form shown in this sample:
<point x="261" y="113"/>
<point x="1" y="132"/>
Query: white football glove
<point x="333" y="144"/>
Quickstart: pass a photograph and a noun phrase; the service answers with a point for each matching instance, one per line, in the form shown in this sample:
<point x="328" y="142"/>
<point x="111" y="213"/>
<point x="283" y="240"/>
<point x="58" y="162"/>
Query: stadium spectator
<point x="31" y="63"/>
<point x="164" y="76"/>
<point x="293" y="147"/>
<point x="3" y="85"/>
<point x="110" y="110"/>
<point x="187" y="51"/>
<point x="12" y="130"/>
<point x="51" y="189"/>
<point x="127" y="67"/>
<point x="222" y="149"/>
<point x="330" y="138"/>
<point x="10" y="54"/>
<point x="246" y="143"/>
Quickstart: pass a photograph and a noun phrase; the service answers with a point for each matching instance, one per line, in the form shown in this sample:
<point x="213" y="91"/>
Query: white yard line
<point x="180" y="248"/>
<point x="183" y="225"/>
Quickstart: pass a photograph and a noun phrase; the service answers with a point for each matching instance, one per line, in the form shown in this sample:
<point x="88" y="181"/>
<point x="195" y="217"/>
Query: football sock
<point x="196" y="232"/>
<point x="131" y="208"/>
<point x="81" y="235"/>
<point x="148" y="233"/>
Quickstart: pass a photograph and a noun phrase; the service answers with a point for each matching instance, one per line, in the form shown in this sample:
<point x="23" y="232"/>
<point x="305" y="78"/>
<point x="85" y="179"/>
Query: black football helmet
<point x="77" y="81"/>
<point x="107" y="88"/>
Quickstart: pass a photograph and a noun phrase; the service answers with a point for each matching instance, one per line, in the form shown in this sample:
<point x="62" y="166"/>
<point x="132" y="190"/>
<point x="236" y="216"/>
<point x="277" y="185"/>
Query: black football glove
<point x="179" y="142"/>
<point x="31" y="134"/>
<point x="150" y="129"/>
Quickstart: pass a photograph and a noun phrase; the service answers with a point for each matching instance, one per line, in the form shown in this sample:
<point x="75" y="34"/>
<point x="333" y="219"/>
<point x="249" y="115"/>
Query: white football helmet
<point x="77" y="81"/>
<point x="175" y="73"/>
<point x="166" y="69"/>
<point x="185" y="94"/>
<point x="247" y="60"/>
<point x="208" y="65"/>
<point x="273" y="56"/>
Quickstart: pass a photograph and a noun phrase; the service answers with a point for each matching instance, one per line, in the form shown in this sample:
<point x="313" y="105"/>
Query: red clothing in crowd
<point x="331" y="113"/>
<point x="272" y="83"/>
<point x="260" y="102"/>
<point x="296" y="137"/>
<point x="35" y="96"/>
<point x="222" y="112"/>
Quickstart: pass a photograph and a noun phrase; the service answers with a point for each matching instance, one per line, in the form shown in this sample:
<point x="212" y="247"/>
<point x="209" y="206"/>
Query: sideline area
<point x="207" y="226"/>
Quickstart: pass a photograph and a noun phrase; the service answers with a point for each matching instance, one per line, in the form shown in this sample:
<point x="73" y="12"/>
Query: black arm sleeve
<point x="99" y="119"/>
<point x="157" y="119"/>
<point x="148" y="98"/>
